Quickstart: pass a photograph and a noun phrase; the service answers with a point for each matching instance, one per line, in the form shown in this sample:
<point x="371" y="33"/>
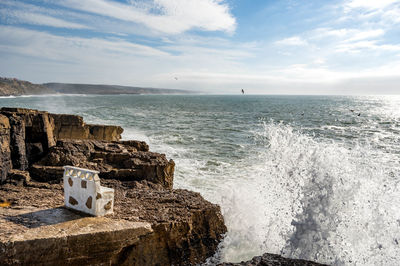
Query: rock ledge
<point x="152" y="223"/>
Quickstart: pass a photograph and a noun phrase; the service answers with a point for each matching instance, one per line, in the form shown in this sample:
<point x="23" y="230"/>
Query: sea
<point x="310" y="177"/>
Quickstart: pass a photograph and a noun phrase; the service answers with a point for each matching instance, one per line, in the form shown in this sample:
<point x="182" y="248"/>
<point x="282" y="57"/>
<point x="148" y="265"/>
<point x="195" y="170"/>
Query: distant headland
<point x="16" y="87"/>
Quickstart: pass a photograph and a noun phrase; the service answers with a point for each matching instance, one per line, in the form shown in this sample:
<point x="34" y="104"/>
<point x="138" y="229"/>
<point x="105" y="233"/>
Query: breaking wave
<point x="313" y="200"/>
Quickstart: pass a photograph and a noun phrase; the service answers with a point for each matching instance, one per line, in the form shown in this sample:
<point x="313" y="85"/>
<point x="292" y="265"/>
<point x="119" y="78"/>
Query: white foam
<point x="313" y="200"/>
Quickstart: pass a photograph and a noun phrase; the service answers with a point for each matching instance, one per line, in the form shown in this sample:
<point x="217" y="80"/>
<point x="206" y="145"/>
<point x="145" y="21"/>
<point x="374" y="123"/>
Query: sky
<point x="213" y="46"/>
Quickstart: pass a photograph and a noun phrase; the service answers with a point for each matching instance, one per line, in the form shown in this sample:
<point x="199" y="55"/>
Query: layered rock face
<point x="73" y="127"/>
<point x="41" y="143"/>
<point x="5" y="152"/>
<point x="123" y="160"/>
<point x="152" y="224"/>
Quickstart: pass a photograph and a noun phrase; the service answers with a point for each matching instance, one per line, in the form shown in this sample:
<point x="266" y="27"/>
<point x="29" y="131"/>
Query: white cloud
<point x="324" y="32"/>
<point x="370" y="4"/>
<point x="40" y="19"/>
<point x="47" y="46"/>
<point x="357" y="47"/>
<point x="383" y="12"/>
<point x="165" y="16"/>
<point x="365" y="34"/>
<point x="349" y="39"/>
<point x="292" y="41"/>
<point x="346" y="34"/>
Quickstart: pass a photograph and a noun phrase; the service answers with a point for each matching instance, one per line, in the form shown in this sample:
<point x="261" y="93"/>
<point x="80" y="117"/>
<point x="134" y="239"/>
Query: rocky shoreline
<point x="152" y="224"/>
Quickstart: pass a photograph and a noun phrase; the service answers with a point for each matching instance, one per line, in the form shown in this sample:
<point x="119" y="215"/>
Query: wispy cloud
<point x="370" y="4"/>
<point x="164" y="16"/>
<point x="357" y="47"/>
<point x="365" y="34"/>
<point x="24" y="17"/>
<point x="155" y="17"/>
<point x="292" y="41"/>
<point x="73" y="49"/>
<point x="383" y="12"/>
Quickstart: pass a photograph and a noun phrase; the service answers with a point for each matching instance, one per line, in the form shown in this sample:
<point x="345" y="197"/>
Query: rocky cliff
<point x="16" y="87"/>
<point x="41" y="143"/>
<point x="152" y="223"/>
<point x="12" y="86"/>
<point x="69" y="88"/>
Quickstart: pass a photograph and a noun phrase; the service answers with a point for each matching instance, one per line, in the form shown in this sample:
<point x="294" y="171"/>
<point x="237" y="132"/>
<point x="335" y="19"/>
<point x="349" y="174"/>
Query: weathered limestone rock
<point x="58" y="236"/>
<point x="5" y="152"/>
<point x="272" y="260"/>
<point x="103" y="132"/>
<point x="39" y="126"/>
<point x="150" y="226"/>
<point x="29" y="135"/>
<point x="69" y="127"/>
<point x="73" y="127"/>
<point x="116" y="160"/>
<point x="19" y="177"/>
<point x="50" y="174"/>
<point x="32" y="127"/>
<point x="18" y="148"/>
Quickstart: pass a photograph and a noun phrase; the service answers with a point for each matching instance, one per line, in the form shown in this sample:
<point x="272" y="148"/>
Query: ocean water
<point x="311" y="177"/>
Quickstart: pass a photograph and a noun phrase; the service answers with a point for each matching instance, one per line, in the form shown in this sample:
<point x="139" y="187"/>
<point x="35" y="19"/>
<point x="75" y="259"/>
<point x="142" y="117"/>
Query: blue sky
<point x="271" y="47"/>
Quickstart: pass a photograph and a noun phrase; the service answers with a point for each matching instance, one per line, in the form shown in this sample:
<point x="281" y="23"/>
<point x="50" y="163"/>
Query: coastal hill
<point x="16" y="87"/>
<point x="68" y="88"/>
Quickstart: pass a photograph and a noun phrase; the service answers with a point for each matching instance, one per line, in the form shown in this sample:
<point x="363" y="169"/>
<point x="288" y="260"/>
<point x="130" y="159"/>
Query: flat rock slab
<point x="149" y="226"/>
<point x="48" y="236"/>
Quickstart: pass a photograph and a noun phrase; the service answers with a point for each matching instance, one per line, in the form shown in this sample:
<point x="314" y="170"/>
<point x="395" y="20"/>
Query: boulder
<point x="272" y="260"/>
<point x="73" y="127"/>
<point x="69" y="126"/>
<point x="104" y="132"/>
<point x="19" y="177"/>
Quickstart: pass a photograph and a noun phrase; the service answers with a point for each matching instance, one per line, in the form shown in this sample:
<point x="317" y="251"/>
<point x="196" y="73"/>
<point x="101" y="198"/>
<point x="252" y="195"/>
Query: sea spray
<point x="319" y="201"/>
<point x="309" y="199"/>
